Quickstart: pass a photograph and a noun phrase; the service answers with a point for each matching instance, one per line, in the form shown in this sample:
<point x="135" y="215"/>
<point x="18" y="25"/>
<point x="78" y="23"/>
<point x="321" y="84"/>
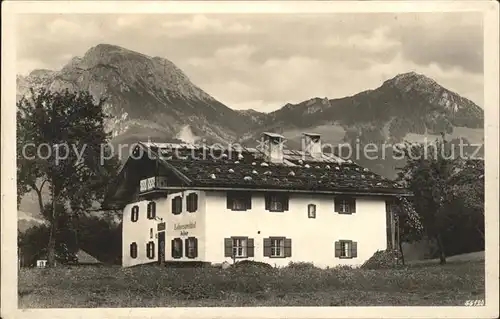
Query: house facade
<point x="270" y="205"/>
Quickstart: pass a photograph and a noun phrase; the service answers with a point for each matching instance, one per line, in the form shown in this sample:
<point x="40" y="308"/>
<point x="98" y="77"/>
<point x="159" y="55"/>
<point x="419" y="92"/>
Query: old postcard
<point x="250" y="159"/>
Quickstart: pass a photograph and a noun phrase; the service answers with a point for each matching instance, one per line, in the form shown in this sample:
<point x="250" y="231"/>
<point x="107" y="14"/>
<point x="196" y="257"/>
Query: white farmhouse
<point x="186" y="203"/>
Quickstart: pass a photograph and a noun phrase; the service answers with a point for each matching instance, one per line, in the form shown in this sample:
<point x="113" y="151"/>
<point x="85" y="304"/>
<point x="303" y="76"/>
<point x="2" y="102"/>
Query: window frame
<point x="243" y="245"/>
<point x="134" y="211"/>
<point x="346" y="247"/>
<point x="177" y="205"/>
<point x="273" y="198"/>
<point x="151" y="212"/>
<point x="150" y="250"/>
<point x="133" y="250"/>
<point x="191" y="243"/>
<point x="192" y="202"/>
<point x="280" y="247"/>
<point x="244" y="198"/>
<point x="181" y="249"/>
<point x="311" y="214"/>
<point x="345" y="205"/>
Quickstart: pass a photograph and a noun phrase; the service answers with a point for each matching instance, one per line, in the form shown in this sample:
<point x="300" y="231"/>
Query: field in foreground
<point x="152" y="286"/>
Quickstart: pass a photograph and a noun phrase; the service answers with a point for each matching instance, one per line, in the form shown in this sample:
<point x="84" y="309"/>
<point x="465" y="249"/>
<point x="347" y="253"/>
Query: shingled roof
<point x="247" y="168"/>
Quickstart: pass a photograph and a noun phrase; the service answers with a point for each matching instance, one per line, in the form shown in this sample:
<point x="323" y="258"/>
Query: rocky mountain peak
<point x="146" y="95"/>
<point x="409" y="81"/>
<point x="110" y="54"/>
<point x="135" y="67"/>
<point x="415" y="85"/>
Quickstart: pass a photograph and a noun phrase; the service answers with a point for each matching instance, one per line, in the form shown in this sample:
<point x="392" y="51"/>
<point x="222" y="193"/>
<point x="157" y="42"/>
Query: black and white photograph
<point x="250" y="159"/>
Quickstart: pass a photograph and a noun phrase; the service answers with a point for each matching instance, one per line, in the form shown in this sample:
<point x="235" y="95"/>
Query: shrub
<point x="301" y="265"/>
<point x="343" y="267"/>
<point x="252" y="263"/>
<point x="382" y="259"/>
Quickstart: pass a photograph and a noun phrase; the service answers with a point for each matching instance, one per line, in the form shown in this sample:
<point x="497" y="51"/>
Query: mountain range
<point x="151" y="98"/>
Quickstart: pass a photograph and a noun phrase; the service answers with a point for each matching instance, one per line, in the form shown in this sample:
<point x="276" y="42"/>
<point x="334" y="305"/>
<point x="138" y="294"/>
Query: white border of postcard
<point x="10" y="9"/>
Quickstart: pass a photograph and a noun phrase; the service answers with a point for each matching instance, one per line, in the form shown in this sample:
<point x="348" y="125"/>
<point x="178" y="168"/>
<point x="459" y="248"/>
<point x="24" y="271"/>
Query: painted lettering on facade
<point x="190" y="225"/>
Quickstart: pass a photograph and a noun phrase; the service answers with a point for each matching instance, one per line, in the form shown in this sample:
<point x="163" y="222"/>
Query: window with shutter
<point x="277" y="247"/>
<point x="192" y="202"/>
<point x="174" y="206"/>
<point x="151" y="210"/>
<point x="177" y="205"/>
<point x="239" y="201"/>
<point x="191" y="247"/>
<point x="150" y="250"/>
<point x="134" y="216"/>
<point x="239" y="247"/>
<point x="345" y="249"/>
<point x="177" y="248"/>
<point x="133" y="250"/>
<point x="194" y="196"/>
<point x="276" y="202"/>
<point x="345" y="205"/>
<point x="311" y="211"/>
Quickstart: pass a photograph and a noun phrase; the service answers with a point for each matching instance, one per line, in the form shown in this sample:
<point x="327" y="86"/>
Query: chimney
<point x="273" y="147"/>
<point x="311" y="144"/>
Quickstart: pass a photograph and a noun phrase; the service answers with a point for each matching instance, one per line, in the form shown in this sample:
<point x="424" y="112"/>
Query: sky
<point x="264" y="61"/>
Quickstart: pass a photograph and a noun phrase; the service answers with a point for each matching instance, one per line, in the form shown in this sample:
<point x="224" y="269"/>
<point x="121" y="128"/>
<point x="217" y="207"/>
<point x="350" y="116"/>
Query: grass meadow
<point x="155" y="286"/>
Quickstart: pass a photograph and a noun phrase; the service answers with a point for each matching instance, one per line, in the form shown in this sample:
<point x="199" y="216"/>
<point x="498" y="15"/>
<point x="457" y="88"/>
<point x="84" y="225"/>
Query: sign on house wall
<point x="184" y="228"/>
<point x="161" y="226"/>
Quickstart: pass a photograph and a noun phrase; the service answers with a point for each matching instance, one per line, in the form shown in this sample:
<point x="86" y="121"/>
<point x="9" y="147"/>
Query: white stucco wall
<point x="139" y="231"/>
<point x="312" y="239"/>
<point x="184" y="218"/>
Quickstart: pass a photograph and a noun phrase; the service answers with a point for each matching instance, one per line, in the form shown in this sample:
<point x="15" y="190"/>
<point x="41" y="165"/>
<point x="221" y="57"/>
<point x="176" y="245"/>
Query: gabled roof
<point x="247" y="168"/>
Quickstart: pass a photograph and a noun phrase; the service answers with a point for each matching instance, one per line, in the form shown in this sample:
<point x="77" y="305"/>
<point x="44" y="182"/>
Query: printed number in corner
<point x="474" y="303"/>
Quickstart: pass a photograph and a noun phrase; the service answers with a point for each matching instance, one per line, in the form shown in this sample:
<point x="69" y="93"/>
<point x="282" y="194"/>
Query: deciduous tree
<point x="427" y="173"/>
<point x="60" y="139"/>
